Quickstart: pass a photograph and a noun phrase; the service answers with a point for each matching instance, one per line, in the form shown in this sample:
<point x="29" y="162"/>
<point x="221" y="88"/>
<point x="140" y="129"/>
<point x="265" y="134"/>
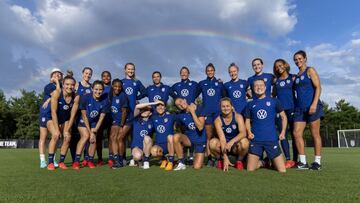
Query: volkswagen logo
<point x="261" y="114"/>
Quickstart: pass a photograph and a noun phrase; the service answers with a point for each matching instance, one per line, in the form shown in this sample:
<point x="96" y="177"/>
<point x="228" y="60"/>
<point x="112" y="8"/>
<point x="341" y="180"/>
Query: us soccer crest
<point x="134" y="83"/>
<point x="117" y="101"/>
<point x="302" y="77"/>
<point x="233" y="126"/>
<point x="163" y="89"/>
<point x="190" y="83"/>
<point x="87" y="91"/>
<point x="241" y="86"/>
<point x="166" y="120"/>
<point x="268" y="103"/>
<point x="265" y="79"/>
<point x="297" y="80"/>
<point x="216" y="83"/>
<point x="288" y="81"/>
<point x="149" y="126"/>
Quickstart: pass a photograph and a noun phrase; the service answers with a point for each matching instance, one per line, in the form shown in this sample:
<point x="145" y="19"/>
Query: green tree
<point x="26" y="112"/>
<point x="7" y="123"/>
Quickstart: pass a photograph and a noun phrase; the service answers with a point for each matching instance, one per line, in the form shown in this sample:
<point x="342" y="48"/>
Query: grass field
<point x="21" y="180"/>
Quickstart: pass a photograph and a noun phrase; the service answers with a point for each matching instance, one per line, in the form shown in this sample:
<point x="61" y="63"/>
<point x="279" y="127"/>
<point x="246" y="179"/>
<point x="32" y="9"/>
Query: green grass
<point x="21" y="180"/>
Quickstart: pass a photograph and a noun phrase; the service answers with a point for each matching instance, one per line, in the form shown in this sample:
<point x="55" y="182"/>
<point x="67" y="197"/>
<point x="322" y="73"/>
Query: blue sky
<point x="164" y="35"/>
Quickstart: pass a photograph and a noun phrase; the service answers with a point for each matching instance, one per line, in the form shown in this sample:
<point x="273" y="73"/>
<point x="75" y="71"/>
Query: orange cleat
<point x="239" y="165"/>
<point x="219" y="164"/>
<point x="163" y="164"/>
<point x="85" y="163"/>
<point x="62" y="166"/>
<point x="100" y="163"/>
<point x="110" y="163"/>
<point x="51" y="167"/>
<point x="91" y="164"/>
<point x="169" y="166"/>
<point x="76" y="165"/>
<point x="289" y="164"/>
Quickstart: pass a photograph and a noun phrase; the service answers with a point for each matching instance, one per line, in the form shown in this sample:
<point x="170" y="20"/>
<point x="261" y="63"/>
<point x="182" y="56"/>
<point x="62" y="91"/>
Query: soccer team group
<point x="233" y="124"/>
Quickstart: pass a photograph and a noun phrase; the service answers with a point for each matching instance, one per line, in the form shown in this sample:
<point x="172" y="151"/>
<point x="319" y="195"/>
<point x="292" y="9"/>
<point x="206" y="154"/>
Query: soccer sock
<point x="302" y="159"/>
<point x="115" y="157"/>
<point x="111" y="156"/>
<point x="42" y="157"/>
<point x="86" y="151"/>
<point x="120" y="158"/>
<point x="182" y="160"/>
<point x="286" y="148"/>
<point x="51" y="158"/>
<point x="171" y="159"/>
<point x="62" y="158"/>
<point x="318" y="159"/>
<point x="146" y="158"/>
<point x="91" y="159"/>
<point x="77" y="157"/>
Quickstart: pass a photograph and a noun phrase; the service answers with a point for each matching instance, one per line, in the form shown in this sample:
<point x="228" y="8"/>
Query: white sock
<point x="42" y="157"/>
<point x="318" y="159"/>
<point x="302" y="159"/>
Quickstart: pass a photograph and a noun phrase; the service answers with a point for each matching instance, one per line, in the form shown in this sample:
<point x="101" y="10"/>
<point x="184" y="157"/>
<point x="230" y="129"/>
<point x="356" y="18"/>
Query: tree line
<point x="19" y="117"/>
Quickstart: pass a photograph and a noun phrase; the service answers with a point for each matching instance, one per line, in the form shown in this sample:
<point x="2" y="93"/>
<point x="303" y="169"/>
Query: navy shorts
<point x="271" y="148"/>
<point x="82" y="124"/>
<point x="302" y="114"/>
<point x="129" y="119"/>
<point x="163" y="147"/>
<point x="43" y="121"/>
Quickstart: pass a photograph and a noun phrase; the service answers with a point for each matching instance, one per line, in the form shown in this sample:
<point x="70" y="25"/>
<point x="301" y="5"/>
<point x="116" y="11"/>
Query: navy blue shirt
<point x="267" y="77"/>
<point x="141" y="128"/>
<point x="305" y="90"/>
<point x="164" y="126"/>
<point x="236" y="91"/>
<point x="117" y="103"/>
<point x="231" y="130"/>
<point x="185" y="89"/>
<point x="154" y="93"/>
<point x="212" y="91"/>
<point x="195" y="135"/>
<point x="285" y="92"/>
<point x="83" y="90"/>
<point x="134" y="90"/>
<point x="93" y="108"/>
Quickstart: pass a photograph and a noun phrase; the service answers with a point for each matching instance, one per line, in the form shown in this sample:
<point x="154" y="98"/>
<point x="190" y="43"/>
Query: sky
<point x="37" y="35"/>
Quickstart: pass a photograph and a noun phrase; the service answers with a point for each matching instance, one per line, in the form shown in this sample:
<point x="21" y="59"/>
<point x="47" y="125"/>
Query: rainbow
<point x="192" y="33"/>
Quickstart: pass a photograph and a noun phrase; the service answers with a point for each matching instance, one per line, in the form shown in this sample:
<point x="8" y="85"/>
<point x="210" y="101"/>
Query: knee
<point x="170" y="139"/>
<point x="213" y="144"/>
<point x="55" y="137"/>
<point x="137" y="155"/>
<point x="197" y="166"/>
<point x="176" y="138"/>
<point x="147" y="140"/>
<point x="244" y="143"/>
<point x="67" y="139"/>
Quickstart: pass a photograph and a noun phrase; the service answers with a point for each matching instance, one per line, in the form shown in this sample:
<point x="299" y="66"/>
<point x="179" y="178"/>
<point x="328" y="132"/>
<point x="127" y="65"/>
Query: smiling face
<point x="181" y="103"/>
<point x="130" y="70"/>
<point x="69" y="86"/>
<point x="226" y="107"/>
<point x="156" y="78"/>
<point x="210" y="71"/>
<point x="259" y="88"/>
<point x="233" y="72"/>
<point x="117" y="87"/>
<point x="86" y="76"/>
<point x="106" y="78"/>
<point x="184" y="74"/>
<point x="280" y="68"/>
<point x="97" y="91"/>
<point x="57" y="75"/>
<point x="257" y="66"/>
<point x="299" y="60"/>
<point x="160" y="109"/>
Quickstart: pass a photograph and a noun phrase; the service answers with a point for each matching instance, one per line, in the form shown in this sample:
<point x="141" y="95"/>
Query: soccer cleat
<point x="116" y="165"/>
<point x="302" y="166"/>
<point x="132" y="163"/>
<point x="219" y="164"/>
<point x="51" y="167"/>
<point x="76" y="165"/>
<point x="146" y="165"/>
<point x="315" y="166"/>
<point x="190" y="160"/>
<point x="100" y="163"/>
<point x="169" y="166"/>
<point x="163" y="164"/>
<point x="43" y="164"/>
<point x="289" y="164"/>
<point x="110" y="163"/>
<point x="210" y="163"/>
<point x="180" y="166"/>
<point x="62" y="166"/>
<point x="239" y="165"/>
<point x="91" y="164"/>
<point x="85" y="163"/>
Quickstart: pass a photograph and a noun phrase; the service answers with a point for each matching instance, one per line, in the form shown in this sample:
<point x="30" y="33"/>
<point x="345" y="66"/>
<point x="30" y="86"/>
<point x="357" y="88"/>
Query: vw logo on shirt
<point x="114" y="109"/>
<point x="228" y="130"/>
<point x="261" y="114"/>
<point x="210" y="92"/>
<point x="157" y="97"/>
<point x="143" y="133"/>
<point x="65" y="107"/>
<point x="93" y="114"/>
<point x="184" y="92"/>
<point x="282" y="83"/>
<point x="129" y="91"/>
<point x="191" y="126"/>
<point x="161" y="129"/>
<point x="237" y="94"/>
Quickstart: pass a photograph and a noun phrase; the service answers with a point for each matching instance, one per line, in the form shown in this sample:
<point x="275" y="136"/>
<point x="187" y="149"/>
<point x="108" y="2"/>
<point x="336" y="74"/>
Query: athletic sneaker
<point x="99" y="163"/>
<point x="302" y="166"/>
<point x="116" y="165"/>
<point x="132" y="163"/>
<point x="110" y="163"/>
<point x="62" y="166"/>
<point x="289" y="164"/>
<point x="146" y="165"/>
<point x="85" y="163"/>
<point x="43" y="164"/>
<point x="55" y="163"/>
<point x="163" y="164"/>
<point x="219" y="164"/>
<point x="91" y="164"/>
<point x="169" y="166"/>
<point x="180" y="166"/>
<point x="190" y="160"/>
<point x="315" y="166"/>
<point x="210" y="163"/>
<point x="76" y="165"/>
<point x="239" y="165"/>
<point x="51" y="167"/>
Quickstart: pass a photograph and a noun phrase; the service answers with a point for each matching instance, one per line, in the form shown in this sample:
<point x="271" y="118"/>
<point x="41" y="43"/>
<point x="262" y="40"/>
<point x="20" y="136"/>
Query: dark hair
<point x="301" y="52"/>
<point x="87" y="68"/>
<point x="286" y="65"/>
<point x="186" y="68"/>
<point x="97" y="82"/>
<point x="158" y="72"/>
<point x="69" y="76"/>
<point x="116" y="80"/>
<point x="210" y="65"/>
<point x="233" y="64"/>
<point x="255" y="59"/>
<point x="259" y="80"/>
<point x="129" y="64"/>
<point x="226" y="99"/>
<point x="105" y="72"/>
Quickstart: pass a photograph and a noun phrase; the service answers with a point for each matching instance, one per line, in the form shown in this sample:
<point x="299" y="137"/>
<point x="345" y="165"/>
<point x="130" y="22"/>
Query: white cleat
<point x="56" y="164"/>
<point x="180" y="166"/>
<point x="43" y="164"/>
<point x="146" y="165"/>
<point x="132" y="163"/>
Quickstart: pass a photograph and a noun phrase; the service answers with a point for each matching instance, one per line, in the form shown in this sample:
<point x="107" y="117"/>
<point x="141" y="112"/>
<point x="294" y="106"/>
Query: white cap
<point x="55" y="70"/>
